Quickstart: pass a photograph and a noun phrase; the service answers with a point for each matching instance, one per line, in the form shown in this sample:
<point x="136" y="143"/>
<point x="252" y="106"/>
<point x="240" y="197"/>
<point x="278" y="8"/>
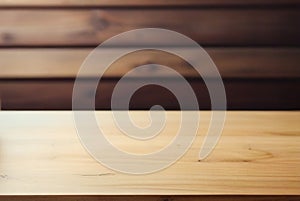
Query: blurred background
<point x="254" y="43"/>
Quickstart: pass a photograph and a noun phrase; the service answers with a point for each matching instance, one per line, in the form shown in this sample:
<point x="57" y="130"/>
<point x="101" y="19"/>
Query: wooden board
<point x="245" y="94"/>
<point x="90" y="27"/>
<point x="231" y="62"/>
<point x="258" y="154"/>
<point x="154" y="198"/>
<point x="123" y="3"/>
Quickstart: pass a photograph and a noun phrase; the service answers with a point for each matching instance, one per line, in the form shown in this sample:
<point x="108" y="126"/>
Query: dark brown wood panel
<point x="34" y="27"/>
<point x="59" y="3"/>
<point x="242" y="94"/>
<point x="231" y="62"/>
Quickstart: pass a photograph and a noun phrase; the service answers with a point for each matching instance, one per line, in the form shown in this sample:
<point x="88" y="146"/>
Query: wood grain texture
<point x="79" y="27"/>
<point x="258" y="154"/>
<point x="155" y="198"/>
<point x="244" y="94"/>
<point x="124" y="3"/>
<point x="231" y="62"/>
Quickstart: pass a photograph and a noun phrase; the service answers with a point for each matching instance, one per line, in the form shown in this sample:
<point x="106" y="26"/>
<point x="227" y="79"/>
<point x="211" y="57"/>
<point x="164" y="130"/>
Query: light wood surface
<point x="154" y="198"/>
<point x="258" y="154"/>
<point x="77" y="27"/>
<point x="231" y="62"/>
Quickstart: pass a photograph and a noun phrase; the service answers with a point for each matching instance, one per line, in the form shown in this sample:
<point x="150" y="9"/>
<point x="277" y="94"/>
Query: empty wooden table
<point x="258" y="154"/>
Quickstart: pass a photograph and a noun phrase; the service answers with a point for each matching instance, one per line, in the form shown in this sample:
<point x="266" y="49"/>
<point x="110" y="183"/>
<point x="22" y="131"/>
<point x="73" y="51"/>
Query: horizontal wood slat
<point x="91" y="27"/>
<point x="122" y="3"/>
<point x="231" y="62"/>
<point x="241" y="94"/>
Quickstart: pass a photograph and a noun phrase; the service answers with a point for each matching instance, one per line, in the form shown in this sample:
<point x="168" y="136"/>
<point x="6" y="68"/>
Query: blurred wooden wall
<point x="254" y="43"/>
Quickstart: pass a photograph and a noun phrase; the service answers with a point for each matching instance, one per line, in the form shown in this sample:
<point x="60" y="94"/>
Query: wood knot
<point x="99" y="22"/>
<point x="7" y="37"/>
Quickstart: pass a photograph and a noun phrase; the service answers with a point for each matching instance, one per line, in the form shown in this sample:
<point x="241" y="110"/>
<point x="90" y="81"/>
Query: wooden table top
<point x="258" y="154"/>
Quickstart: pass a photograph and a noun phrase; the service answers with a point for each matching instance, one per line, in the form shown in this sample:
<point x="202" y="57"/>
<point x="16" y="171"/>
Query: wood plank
<point x="124" y="3"/>
<point x="246" y="94"/>
<point x="231" y="62"/>
<point x="19" y="27"/>
<point x="155" y="198"/>
<point x="258" y="154"/>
